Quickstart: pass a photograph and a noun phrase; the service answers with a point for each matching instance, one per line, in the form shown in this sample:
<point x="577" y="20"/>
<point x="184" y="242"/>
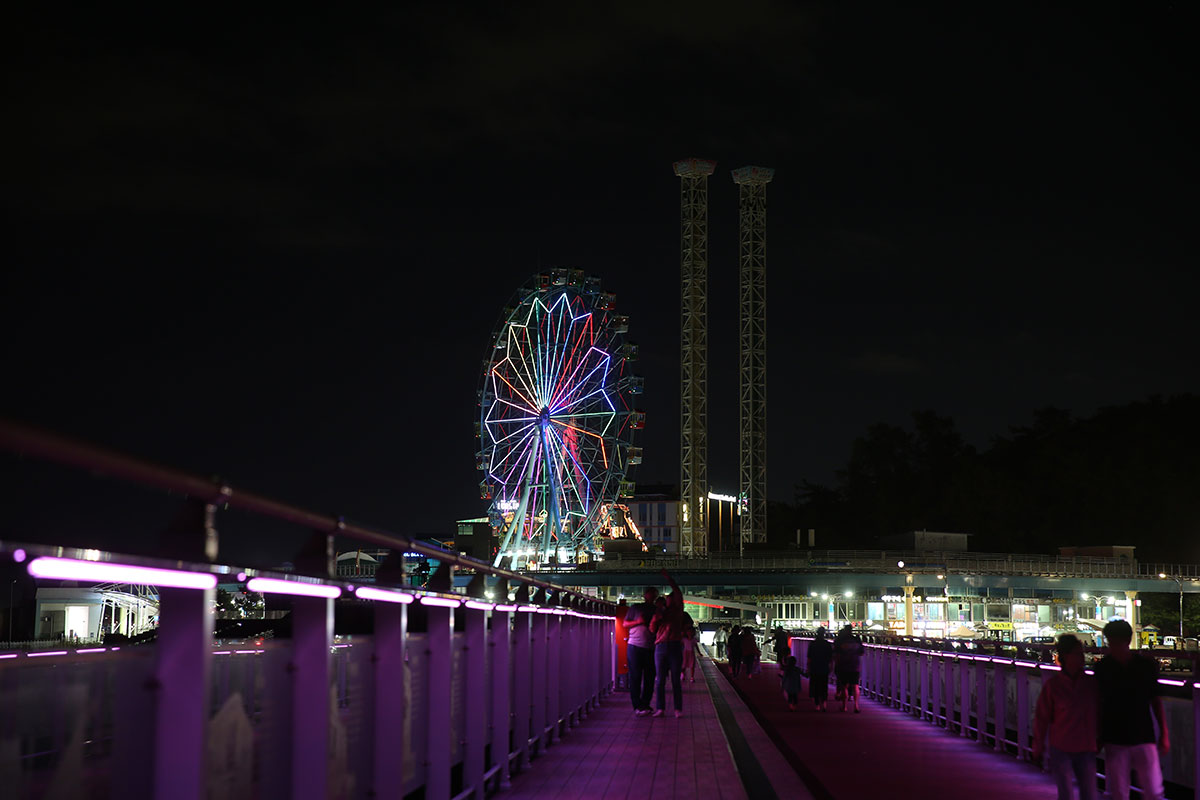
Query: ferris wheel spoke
<point x="519" y="450"/>
<point x="532" y="407"/>
<point x="568" y="386"/>
<point x="575" y="484"/>
<point x="523" y="373"/>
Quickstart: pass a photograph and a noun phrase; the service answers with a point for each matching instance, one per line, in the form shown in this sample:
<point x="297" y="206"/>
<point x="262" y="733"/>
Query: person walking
<point x="820" y="658"/>
<point x="791" y="681"/>
<point x="847" y="655"/>
<point x="781" y="646"/>
<point x="719" y="641"/>
<point x="1066" y="716"/>
<point x="733" y="648"/>
<point x="667" y="627"/>
<point x="1128" y="688"/>
<point x="751" y="654"/>
<point x="689" y="649"/>
<point x="640" y="652"/>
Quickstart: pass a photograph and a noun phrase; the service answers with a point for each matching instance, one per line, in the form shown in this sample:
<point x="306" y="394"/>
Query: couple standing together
<point x="656" y="648"/>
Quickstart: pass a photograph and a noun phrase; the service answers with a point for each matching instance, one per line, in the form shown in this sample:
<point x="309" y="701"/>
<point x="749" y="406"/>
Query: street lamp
<point x="1179" y="581"/>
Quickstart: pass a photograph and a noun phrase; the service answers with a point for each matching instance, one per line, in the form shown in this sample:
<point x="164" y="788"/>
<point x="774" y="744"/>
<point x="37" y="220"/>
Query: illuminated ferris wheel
<point x="557" y="420"/>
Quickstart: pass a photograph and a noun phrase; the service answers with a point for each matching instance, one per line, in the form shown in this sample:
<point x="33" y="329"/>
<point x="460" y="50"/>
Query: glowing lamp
<point x="277" y="586"/>
<point x="70" y="569"/>
<point x="382" y="595"/>
<point x="440" y="602"/>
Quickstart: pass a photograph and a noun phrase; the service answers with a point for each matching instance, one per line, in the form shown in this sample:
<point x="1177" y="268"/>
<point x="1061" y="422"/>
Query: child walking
<point x="792" y="682"/>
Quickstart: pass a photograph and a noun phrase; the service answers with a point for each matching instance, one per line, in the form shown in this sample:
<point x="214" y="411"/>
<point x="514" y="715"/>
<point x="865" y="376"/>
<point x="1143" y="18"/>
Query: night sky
<point x="274" y="247"/>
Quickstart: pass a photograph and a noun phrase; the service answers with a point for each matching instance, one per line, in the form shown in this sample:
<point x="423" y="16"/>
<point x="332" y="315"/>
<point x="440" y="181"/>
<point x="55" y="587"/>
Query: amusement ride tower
<point x="752" y="325"/>
<point x="693" y="469"/>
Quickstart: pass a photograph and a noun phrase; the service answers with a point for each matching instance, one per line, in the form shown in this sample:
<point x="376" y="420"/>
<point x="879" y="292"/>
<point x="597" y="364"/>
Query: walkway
<point x="615" y="754"/>
<point x="800" y="754"/>
<point x="847" y="756"/>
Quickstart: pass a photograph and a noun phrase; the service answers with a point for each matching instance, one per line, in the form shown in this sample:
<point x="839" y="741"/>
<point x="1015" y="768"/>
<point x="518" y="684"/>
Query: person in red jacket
<point x="1066" y="716"/>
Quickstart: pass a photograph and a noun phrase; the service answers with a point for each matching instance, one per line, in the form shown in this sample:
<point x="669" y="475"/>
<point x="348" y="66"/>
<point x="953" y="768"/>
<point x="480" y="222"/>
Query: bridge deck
<point x="615" y="754"/>
<point x="835" y="755"/>
<point x="845" y="755"/>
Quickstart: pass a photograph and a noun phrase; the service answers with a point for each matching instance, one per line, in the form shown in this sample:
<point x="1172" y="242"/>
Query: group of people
<point x="1118" y="709"/>
<point x="842" y="657"/>
<point x="660" y="642"/>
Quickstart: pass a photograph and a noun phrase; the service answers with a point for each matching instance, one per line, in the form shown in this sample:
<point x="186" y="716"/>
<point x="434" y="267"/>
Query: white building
<point x="656" y="512"/>
<point x="88" y="613"/>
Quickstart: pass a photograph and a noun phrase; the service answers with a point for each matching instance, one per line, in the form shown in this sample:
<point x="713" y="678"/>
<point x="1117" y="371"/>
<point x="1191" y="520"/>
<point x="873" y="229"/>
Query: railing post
<point x="522" y="678"/>
<point x="1000" y="698"/>
<point x="925" y="658"/>
<point x="500" y="642"/>
<point x="183" y="659"/>
<point x="935" y="681"/>
<point x="391" y="630"/>
<point x="537" y="673"/>
<point x="1022" y="711"/>
<point x="312" y="637"/>
<point x="475" y="688"/>
<point x="438" y="698"/>
<point x="981" y="700"/>
<point x="964" y="710"/>
<point x="554" y="654"/>
<point x="948" y="689"/>
<point x="1195" y="728"/>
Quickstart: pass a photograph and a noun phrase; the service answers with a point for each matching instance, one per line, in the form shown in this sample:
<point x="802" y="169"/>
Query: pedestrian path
<point x="614" y="754"/>
<point x="882" y="752"/>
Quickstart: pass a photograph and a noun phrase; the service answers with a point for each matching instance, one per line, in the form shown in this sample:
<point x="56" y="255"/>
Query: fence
<point x="992" y="698"/>
<point x="447" y="694"/>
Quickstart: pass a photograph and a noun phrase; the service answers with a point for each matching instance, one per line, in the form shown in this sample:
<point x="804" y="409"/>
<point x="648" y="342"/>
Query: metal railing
<point x="448" y="694"/>
<point x="992" y="698"/>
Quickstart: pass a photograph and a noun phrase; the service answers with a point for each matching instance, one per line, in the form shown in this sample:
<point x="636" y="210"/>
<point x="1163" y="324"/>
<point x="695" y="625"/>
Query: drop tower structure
<point x="752" y="327"/>
<point x="693" y="389"/>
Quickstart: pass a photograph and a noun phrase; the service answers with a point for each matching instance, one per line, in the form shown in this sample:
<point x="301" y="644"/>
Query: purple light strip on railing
<point x="562" y="612"/>
<point x="543" y="610"/>
<point x="71" y="569"/>
<point x="527" y="609"/>
<point x="440" y="602"/>
<point x="1172" y="682"/>
<point x="220" y="652"/>
<point x="382" y="595"/>
<point x="505" y="608"/>
<point x="8" y="655"/>
<point x="479" y="605"/>
<point x="91" y="650"/>
<point x="1054" y="667"/>
<point x="277" y="586"/>
<point x="46" y="653"/>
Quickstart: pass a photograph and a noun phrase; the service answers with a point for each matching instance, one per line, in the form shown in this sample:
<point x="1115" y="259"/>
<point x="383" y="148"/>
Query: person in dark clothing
<point x="782" y="651"/>
<point x="1128" y="687"/>
<point x="1064" y="726"/>
<point x="820" y="658"/>
<point x="667" y="626"/>
<point x="792" y="681"/>
<point x="751" y="655"/>
<point x="733" y="646"/>
<point x="847" y="655"/>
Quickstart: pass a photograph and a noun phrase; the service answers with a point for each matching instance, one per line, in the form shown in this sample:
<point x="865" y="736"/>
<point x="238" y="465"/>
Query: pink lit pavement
<point x="803" y="754"/>
<point x="883" y="752"/>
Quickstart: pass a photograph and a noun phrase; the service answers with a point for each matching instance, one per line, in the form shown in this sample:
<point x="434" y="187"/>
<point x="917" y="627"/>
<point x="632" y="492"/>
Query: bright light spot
<point x="849" y="594"/>
<point x="941" y="577"/>
<point x="1084" y="596"/>
<point x="900" y="564"/>
<point x="824" y="597"/>
<point x="18" y="555"/>
<point x="1162" y="574"/>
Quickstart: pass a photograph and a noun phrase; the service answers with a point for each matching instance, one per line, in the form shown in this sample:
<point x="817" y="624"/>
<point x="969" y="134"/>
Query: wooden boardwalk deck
<point x="614" y="754"/>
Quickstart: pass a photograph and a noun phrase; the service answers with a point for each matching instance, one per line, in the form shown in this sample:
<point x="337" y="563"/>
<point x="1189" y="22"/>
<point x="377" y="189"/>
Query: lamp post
<point x="833" y="598"/>
<point x="1179" y="582"/>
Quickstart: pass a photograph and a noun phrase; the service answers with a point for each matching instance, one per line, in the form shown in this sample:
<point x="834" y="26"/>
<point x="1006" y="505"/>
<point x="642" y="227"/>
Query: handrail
<point x="24" y="439"/>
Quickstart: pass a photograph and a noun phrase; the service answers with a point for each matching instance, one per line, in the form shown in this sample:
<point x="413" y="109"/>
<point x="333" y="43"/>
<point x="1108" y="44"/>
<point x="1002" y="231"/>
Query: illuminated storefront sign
<point x="1000" y="626"/>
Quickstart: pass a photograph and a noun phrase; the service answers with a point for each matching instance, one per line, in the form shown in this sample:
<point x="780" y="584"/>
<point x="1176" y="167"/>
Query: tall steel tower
<point x="693" y="384"/>
<point x="752" y="325"/>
